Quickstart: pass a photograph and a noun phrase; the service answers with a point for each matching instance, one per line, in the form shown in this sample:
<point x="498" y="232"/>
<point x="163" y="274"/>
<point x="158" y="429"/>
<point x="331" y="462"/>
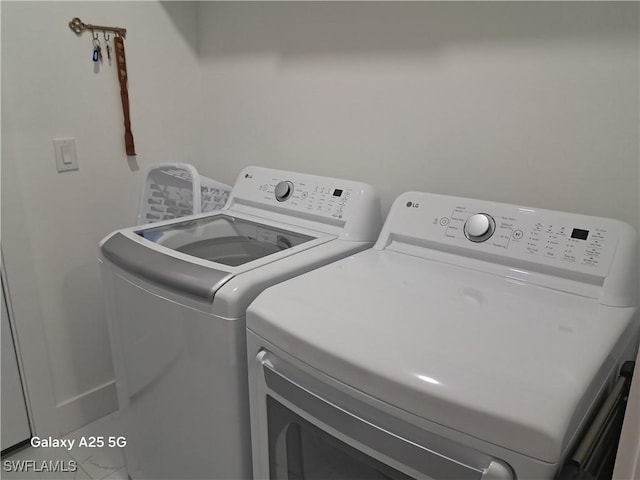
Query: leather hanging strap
<point x="121" y="63"/>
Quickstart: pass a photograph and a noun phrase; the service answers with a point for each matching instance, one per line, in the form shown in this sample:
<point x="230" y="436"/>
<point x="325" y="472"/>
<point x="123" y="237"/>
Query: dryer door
<point x="310" y="430"/>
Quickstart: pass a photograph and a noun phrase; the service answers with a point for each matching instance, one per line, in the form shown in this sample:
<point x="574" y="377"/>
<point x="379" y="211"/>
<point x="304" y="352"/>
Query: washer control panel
<point x="319" y="196"/>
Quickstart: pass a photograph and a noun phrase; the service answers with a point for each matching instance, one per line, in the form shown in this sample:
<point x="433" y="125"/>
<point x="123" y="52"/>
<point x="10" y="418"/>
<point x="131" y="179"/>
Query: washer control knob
<point x="283" y="190"/>
<point x="479" y="227"/>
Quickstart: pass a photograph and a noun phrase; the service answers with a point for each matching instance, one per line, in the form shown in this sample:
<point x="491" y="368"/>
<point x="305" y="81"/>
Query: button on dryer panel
<point x="479" y="227"/>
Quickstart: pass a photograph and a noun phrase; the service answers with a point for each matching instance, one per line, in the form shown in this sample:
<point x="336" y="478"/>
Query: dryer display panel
<point x="224" y="239"/>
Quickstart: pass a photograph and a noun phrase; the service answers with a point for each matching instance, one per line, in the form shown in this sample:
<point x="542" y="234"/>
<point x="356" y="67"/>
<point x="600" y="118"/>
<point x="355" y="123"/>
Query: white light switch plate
<point x="65" y="152"/>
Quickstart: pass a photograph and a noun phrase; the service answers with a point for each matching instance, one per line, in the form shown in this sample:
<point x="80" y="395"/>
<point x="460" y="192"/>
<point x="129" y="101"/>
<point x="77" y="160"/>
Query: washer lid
<point x="510" y="363"/>
<point x="224" y="239"/>
<point x="198" y="256"/>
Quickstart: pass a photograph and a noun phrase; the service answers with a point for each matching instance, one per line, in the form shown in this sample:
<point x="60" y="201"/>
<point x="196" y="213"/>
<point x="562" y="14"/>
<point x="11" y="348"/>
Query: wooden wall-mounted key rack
<point x="78" y="27"/>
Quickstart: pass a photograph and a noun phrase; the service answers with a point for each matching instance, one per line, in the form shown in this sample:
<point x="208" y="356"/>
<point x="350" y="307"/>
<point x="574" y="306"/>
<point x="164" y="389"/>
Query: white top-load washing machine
<point x="177" y="292"/>
<point x="475" y="340"/>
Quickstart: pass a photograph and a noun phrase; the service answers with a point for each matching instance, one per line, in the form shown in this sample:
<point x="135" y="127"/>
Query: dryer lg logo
<point x="413" y="205"/>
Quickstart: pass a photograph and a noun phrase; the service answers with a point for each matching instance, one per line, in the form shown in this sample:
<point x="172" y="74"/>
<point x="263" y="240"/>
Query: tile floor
<point x="92" y="463"/>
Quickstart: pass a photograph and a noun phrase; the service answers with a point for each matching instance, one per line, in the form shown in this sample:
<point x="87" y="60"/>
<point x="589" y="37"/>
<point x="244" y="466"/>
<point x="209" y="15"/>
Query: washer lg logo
<point x="413" y="205"/>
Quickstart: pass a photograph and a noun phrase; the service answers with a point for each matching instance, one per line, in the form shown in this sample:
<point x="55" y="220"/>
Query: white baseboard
<point x="86" y="408"/>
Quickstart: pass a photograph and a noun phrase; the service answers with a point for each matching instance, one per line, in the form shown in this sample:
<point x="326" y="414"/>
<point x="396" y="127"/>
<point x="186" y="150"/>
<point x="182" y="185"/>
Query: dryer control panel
<point x="577" y="247"/>
<point x="533" y="235"/>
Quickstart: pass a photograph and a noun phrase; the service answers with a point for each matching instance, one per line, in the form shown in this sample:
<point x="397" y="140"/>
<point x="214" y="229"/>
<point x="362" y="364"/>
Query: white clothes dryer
<point x="476" y="340"/>
<point x="177" y="292"/>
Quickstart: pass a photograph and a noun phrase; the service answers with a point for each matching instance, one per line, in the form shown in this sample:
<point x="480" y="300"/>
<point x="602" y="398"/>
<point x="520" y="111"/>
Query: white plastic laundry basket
<point x="174" y="190"/>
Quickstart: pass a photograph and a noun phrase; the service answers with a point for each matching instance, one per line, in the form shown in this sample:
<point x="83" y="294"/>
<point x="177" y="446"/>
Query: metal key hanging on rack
<point x="97" y="49"/>
<point x="106" y="42"/>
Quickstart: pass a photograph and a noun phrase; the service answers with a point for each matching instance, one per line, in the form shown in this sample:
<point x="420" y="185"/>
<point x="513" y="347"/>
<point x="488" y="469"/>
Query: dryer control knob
<point x="479" y="227"/>
<point x="283" y="190"/>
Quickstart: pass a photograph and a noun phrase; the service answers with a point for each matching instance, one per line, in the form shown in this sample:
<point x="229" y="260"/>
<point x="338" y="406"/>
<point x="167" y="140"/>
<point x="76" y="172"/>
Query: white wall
<point x="531" y="103"/>
<point x="49" y="89"/>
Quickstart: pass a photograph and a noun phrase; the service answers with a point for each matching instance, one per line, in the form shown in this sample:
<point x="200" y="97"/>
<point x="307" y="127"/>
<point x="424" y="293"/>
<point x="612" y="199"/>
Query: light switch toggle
<point x="65" y="153"/>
